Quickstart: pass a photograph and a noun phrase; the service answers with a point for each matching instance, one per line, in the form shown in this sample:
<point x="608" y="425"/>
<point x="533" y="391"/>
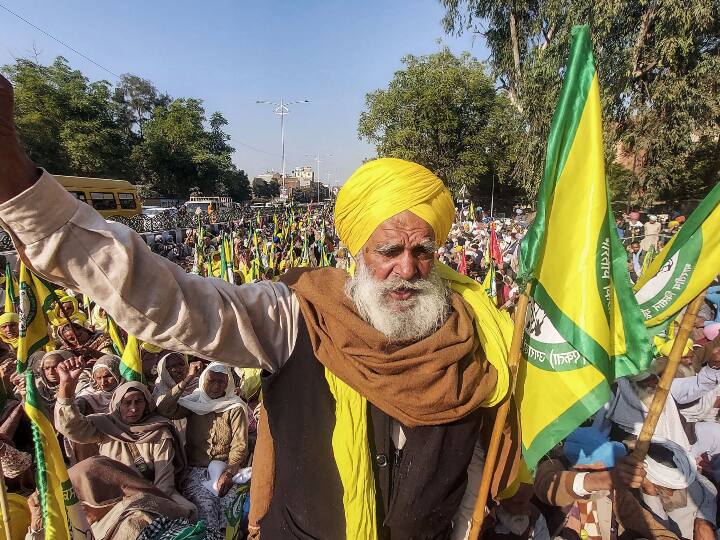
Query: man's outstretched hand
<point x="17" y="172"/>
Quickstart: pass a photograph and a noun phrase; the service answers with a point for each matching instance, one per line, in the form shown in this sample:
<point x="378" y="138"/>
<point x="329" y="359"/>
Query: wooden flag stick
<point x="4" y="505"/>
<point x="502" y="413"/>
<point x="663" y="388"/>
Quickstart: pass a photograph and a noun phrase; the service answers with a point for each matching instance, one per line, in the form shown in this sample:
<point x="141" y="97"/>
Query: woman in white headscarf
<point x="217" y="431"/>
<point x="171" y="370"/>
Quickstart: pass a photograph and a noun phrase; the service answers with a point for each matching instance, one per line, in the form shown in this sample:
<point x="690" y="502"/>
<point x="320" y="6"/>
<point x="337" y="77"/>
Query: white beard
<point x="400" y="320"/>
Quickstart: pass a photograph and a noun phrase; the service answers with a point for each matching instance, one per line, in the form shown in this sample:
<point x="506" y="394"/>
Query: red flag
<point x="495" y="253"/>
<point x="462" y="265"/>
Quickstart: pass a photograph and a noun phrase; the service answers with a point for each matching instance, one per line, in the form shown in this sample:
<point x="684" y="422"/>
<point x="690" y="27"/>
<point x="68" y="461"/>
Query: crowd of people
<point x="151" y="459"/>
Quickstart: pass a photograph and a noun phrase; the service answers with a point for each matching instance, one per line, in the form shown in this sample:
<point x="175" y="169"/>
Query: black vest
<point x="418" y="489"/>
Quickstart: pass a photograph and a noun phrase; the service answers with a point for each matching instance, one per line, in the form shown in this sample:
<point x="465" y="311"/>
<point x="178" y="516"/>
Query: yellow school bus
<point x="109" y="197"/>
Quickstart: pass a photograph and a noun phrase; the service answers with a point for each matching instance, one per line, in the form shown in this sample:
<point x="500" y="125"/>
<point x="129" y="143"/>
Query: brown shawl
<point x="437" y="380"/>
<point x="151" y="429"/>
<point x="126" y="501"/>
<point x="348" y="353"/>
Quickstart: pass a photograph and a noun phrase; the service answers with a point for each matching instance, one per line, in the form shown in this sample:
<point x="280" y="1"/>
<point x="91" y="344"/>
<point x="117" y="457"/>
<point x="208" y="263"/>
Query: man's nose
<point x="406" y="266"/>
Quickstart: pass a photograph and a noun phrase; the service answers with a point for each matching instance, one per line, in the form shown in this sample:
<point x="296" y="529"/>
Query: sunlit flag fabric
<point x="684" y="267"/>
<point x="114" y="332"/>
<point x="35" y="299"/>
<point x="57" y="497"/>
<point x="11" y="299"/>
<point x="131" y="361"/>
<point x="584" y="326"/>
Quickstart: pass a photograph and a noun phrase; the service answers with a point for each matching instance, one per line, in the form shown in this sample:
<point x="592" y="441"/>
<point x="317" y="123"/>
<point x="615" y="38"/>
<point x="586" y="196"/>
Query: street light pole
<point x="281" y="109"/>
<point x="318" y="162"/>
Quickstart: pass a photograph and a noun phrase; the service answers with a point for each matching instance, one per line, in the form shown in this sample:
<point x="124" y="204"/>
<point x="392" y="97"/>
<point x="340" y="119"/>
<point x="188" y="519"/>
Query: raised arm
<point x="168" y="405"/>
<point x="68" y="419"/>
<point x="69" y="243"/>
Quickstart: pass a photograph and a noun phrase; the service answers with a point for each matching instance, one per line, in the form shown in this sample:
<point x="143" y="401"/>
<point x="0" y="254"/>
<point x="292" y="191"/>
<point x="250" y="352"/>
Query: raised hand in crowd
<point x="18" y="380"/>
<point x="194" y="371"/>
<point x="69" y="373"/>
<point x="7" y="369"/>
<point x="36" y="523"/>
<point x="629" y="471"/>
<point x="17" y="171"/>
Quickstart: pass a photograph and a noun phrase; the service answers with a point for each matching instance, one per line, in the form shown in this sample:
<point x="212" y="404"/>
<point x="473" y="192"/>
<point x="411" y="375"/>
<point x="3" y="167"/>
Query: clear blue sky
<point x="230" y="53"/>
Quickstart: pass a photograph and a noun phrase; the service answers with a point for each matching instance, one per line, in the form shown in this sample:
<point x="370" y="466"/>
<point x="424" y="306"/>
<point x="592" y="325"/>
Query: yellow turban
<point x="10" y="317"/>
<point x="385" y="187"/>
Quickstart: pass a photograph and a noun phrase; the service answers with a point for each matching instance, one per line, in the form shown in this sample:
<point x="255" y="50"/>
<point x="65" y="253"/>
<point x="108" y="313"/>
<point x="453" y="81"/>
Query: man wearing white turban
<point x="676" y="493"/>
<point x="376" y="386"/>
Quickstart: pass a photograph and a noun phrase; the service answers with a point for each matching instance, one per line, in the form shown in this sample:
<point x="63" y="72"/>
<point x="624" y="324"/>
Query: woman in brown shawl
<point x="130" y="432"/>
<point x="77" y="338"/>
<point x="118" y="502"/>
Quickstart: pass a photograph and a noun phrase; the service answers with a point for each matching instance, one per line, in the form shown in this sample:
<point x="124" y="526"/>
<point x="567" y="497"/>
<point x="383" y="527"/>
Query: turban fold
<point x="385" y="187"/>
<point x="9" y="317"/>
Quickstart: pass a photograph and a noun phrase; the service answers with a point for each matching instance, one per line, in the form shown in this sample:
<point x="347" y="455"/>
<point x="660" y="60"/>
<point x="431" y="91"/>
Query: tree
<point x="76" y="127"/>
<point x="443" y="111"/>
<point x="238" y="188"/>
<point x="658" y="66"/>
<point x="67" y="123"/>
<point x="265" y="190"/>
<point x="137" y="98"/>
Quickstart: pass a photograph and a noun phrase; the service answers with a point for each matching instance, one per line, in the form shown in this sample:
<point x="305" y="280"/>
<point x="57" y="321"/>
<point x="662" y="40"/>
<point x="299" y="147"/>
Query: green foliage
<point x="265" y="190"/>
<point x="443" y="111"/>
<point x="659" y="73"/>
<point x="72" y="126"/>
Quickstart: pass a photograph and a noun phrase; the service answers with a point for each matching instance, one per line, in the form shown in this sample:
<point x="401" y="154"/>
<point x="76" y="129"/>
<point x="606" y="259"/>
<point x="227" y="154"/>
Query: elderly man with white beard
<point x="375" y="388"/>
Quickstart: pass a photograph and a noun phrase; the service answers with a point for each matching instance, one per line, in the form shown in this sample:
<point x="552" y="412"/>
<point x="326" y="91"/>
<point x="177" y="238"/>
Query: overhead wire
<point x="61" y="42"/>
<point x="86" y="57"/>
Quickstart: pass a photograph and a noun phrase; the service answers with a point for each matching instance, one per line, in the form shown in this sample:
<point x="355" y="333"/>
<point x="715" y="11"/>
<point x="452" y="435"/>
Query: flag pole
<point x="501" y="417"/>
<point x="4" y="506"/>
<point x="663" y="388"/>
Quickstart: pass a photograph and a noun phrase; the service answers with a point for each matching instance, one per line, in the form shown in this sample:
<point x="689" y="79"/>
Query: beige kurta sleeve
<point x="72" y="424"/>
<point x="238" y="447"/>
<point x="168" y="405"/>
<point x="66" y="241"/>
<point x="163" y="456"/>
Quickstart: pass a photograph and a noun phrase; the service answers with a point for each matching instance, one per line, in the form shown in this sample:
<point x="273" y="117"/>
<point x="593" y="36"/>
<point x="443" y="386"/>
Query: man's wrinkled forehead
<point x="404" y="228"/>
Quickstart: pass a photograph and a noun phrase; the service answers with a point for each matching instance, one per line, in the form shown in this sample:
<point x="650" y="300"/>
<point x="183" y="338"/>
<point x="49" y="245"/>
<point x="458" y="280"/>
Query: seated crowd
<point x="171" y="457"/>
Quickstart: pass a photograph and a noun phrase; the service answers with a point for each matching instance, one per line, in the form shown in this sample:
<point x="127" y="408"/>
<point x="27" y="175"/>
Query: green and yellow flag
<point x="57" y="498"/>
<point x="131" y="361"/>
<point x="48" y="456"/>
<point x="113" y="331"/>
<point x="35" y="299"/>
<point x="11" y="299"/>
<point x="684" y="267"/>
<point x="60" y="506"/>
<point x="584" y="326"/>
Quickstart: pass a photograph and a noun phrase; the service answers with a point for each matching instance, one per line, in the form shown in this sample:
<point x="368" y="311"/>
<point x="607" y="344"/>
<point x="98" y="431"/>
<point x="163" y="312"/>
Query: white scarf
<point x="200" y="403"/>
<point x="678" y="477"/>
<point x="629" y="412"/>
